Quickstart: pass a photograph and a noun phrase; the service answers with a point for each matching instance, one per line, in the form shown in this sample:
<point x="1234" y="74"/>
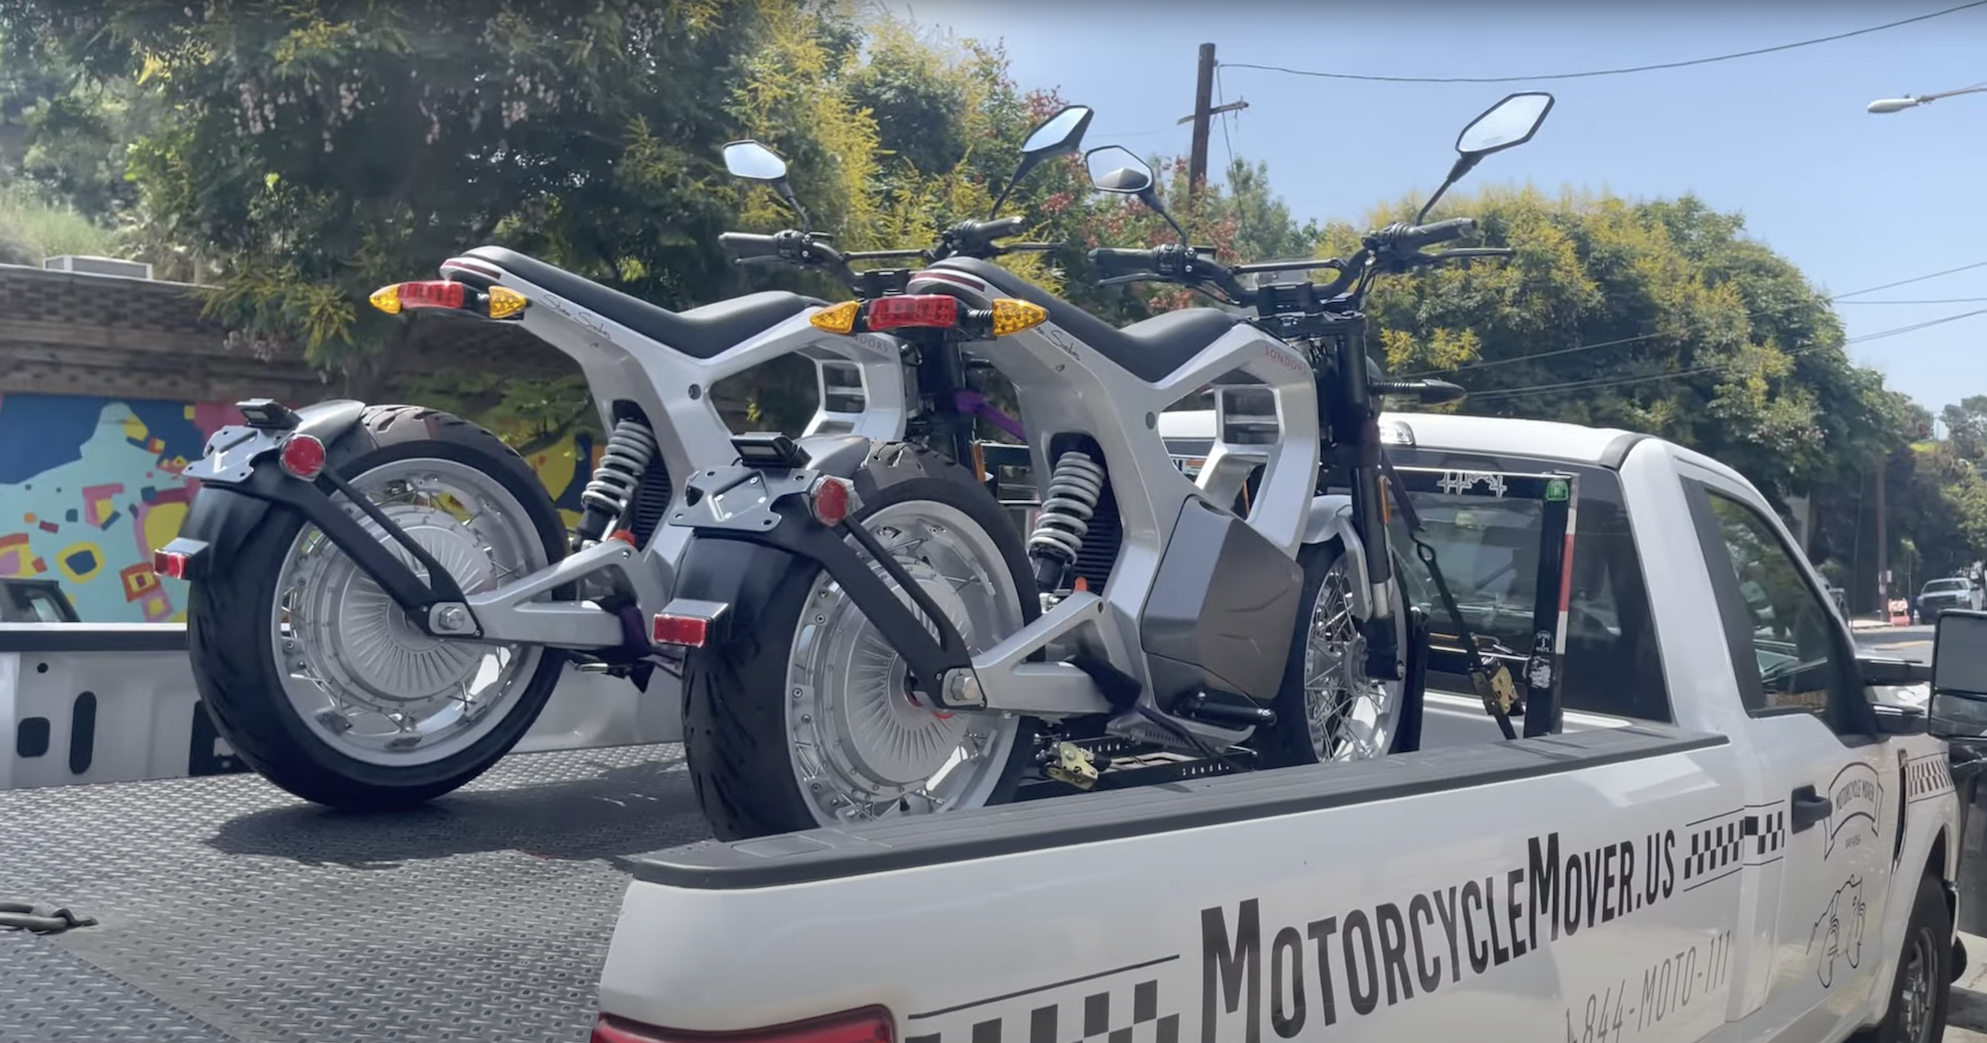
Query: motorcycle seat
<point x="701" y="332"/>
<point x="1150" y="349"/>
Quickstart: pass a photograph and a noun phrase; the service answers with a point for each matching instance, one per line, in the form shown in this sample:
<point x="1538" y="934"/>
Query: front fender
<point x="1331" y="519"/>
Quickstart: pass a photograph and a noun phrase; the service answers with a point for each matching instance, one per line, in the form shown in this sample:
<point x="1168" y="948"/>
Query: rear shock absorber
<point x="1074" y="488"/>
<point x="606" y="497"/>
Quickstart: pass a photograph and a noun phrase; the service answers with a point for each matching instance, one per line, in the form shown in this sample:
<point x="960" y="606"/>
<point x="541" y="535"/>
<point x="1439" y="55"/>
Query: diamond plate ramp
<point x="230" y="909"/>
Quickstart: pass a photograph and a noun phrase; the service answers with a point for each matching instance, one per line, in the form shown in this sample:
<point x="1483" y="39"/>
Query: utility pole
<point x="1203" y="113"/>
<point x="1883" y="544"/>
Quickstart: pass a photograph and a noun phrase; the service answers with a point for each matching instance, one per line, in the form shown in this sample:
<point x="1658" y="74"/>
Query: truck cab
<point x="1739" y="829"/>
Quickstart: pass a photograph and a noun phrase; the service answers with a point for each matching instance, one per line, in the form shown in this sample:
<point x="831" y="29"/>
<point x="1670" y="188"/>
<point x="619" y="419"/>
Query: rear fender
<point x="769" y="525"/>
<point x="240" y="477"/>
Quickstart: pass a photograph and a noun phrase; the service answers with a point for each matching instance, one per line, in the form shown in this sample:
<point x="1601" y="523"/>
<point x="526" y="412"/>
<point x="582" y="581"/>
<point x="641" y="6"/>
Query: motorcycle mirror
<point x="1059" y="135"/>
<point x="1113" y="168"/>
<point x="1507" y="124"/>
<point x="755" y="162"/>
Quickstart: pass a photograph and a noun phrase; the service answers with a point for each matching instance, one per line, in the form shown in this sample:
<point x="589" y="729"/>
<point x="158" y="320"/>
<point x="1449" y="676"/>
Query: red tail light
<point x="435" y="293"/>
<point x="169" y="565"/>
<point x="683" y="631"/>
<point x="302" y="456"/>
<point x="870" y="1025"/>
<point x="923" y="309"/>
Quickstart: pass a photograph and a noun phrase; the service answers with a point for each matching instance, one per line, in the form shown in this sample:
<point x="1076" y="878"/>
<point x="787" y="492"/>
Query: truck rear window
<point x="1488" y="549"/>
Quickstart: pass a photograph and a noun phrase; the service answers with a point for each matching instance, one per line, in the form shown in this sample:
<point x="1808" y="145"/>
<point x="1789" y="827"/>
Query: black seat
<point x="1151" y="349"/>
<point x="701" y="332"/>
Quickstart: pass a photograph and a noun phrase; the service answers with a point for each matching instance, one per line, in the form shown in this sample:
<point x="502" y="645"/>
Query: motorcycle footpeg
<point x="1199" y="706"/>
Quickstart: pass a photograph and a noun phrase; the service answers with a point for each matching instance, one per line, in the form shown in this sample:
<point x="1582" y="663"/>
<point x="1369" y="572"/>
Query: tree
<point x="1966" y="426"/>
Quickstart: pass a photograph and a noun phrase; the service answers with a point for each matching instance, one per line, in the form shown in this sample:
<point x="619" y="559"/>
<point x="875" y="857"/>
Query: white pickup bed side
<point x="1742" y="871"/>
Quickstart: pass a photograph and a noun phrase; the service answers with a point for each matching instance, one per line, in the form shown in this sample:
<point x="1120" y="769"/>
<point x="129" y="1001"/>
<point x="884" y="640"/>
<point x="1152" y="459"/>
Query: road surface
<point x="1913" y="643"/>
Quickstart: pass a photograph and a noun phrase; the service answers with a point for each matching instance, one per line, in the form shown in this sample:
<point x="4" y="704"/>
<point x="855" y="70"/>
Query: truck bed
<point x="229" y="910"/>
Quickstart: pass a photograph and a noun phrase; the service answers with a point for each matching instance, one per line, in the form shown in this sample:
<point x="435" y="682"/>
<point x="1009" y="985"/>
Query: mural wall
<point x="89" y="487"/>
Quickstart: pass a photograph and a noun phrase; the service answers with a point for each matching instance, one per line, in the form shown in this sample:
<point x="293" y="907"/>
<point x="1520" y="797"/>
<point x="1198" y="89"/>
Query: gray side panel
<point x="830" y="854"/>
<point x="1225" y="603"/>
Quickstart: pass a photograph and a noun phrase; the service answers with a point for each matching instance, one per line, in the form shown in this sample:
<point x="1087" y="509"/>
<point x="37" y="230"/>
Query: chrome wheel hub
<point x="1350" y="715"/>
<point x="356" y="669"/>
<point x="862" y="746"/>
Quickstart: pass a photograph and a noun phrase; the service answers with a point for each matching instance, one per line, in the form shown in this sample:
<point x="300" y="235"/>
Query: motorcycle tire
<point x="738" y="725"/>
<point x="234" y="658"/>
<point x="1290" y="740"/>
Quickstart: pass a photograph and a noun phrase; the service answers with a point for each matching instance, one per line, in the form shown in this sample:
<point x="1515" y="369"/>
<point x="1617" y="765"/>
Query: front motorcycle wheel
<point x="806" y="719"/>
<point x="1328" y="709"/>
<point x="315" y="676"/>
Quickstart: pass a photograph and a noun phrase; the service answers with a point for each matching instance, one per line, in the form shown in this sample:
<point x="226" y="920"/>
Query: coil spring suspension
<point x="629" y="450"/>
<point x="1074" y="488"/>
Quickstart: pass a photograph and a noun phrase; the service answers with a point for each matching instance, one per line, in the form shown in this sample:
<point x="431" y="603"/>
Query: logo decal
<point x="1856" y="815"/>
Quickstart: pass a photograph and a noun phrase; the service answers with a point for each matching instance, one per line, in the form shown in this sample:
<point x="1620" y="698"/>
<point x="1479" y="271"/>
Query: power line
<point x="1607" y="382"/>
<point x="1637" y="339"/>
<point x="1934" y="300"/>
<point x="1610" y="72"/>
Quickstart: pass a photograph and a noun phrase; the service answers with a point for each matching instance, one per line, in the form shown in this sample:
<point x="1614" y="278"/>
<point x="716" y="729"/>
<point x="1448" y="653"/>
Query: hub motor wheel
<point x="367" y="680"/>
<point x="801" y="716"/>
<point x="315" y="676"/>
<point x="862" y="746"/>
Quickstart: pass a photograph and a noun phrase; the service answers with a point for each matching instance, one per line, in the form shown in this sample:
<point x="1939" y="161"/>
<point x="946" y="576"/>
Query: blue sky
<point x="1857" y="200"/>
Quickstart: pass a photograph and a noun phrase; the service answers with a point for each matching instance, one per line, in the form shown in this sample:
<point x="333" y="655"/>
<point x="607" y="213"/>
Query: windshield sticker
<point x="1855" y="815"/>
<point x="1837" y="938"/>
<point x="1455" y="483"/>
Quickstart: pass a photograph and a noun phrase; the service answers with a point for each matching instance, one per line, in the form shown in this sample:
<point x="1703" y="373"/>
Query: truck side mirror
<point x="1959" y="676"/>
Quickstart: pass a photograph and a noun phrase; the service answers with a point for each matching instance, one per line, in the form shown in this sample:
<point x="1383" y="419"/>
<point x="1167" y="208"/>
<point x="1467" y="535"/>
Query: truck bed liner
<point x="827" y="854"/>
<point x="231" y="911"/>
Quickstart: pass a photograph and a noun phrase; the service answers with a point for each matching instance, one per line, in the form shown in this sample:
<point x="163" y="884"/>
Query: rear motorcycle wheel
<point x="318" y="680"/>
<point x="1328" y="709"/>
<point x="804" y="718"/>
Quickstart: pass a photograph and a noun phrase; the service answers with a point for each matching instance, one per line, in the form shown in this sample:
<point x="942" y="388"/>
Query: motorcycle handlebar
<point x="1414" y="237"/>
<point x="743" y="245"/>
<point x="987" y="231"/>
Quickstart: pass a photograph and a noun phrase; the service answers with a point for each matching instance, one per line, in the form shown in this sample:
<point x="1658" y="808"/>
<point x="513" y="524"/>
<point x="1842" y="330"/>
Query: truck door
<point x="1829" y="790"/>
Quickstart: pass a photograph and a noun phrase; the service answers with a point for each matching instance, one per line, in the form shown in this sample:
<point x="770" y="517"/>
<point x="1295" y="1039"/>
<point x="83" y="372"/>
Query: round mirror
<point x="1114" y="169"/>
<point x="1059" y="133"/>
<point x="1510" y="122"/>
<point x="753" y="161"/>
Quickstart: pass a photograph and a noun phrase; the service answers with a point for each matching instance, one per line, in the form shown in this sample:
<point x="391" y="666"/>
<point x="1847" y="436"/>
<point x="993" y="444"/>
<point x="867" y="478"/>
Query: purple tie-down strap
<point x="975" y="403"/>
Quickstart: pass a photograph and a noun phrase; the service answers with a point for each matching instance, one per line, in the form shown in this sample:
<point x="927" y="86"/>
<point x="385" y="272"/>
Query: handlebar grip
<point x="1417" y="236"/>
<point x="745" y="245"/>
<point x="988" y="231"/>
<point x="1106" y="257"/>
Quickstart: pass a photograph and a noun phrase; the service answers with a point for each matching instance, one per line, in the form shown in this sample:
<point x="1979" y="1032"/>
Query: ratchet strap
<point x="1494" y="686"/>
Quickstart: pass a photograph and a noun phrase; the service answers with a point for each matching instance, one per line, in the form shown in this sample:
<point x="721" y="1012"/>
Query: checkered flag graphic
<point x="1714" y="848"/>
<point x="1926" y="776"/>
<point x="1769" y="831"/>
<point x="1094" y="1019"/>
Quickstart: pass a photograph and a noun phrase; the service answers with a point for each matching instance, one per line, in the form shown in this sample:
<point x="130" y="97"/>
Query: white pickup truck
<point x="1738" y="830"/>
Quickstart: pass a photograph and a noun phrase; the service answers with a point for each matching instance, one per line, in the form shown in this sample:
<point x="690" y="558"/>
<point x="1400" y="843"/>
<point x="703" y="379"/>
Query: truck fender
<point x="1929" y="846"/>
<point x="1331" y="518"/>
<point x="220" y="517"/>
<point x="742" y="576"/>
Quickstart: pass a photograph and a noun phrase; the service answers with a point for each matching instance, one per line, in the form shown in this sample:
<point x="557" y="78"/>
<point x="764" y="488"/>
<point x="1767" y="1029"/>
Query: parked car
<point x="1952" y="592"/>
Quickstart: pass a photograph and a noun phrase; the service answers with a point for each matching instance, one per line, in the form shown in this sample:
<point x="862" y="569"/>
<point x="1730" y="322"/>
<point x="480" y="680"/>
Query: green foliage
<point x="32" y="228"/>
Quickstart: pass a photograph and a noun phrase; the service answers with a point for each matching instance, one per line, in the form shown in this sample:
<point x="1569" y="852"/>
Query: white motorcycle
<point x="863" y="644"/>
<point x="383" y="597"/>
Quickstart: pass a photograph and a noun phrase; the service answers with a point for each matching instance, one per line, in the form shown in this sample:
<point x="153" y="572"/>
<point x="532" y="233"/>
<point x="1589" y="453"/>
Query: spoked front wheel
<point x="1329" y="709"/>
<point x="318" y="679"/>
<point x="807" y="718"/>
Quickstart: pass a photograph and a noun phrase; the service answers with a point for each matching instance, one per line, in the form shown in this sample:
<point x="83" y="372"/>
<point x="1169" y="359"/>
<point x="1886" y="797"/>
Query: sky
<point x="1856" y="200"/>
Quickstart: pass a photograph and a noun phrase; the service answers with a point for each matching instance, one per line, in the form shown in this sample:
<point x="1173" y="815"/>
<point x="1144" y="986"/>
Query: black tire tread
<point x="234" y="668"/>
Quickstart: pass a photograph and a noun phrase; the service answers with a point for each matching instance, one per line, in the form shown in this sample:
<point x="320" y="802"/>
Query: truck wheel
<point x="1923" y="983"/>
<point x="312" y="673"/>
<point x="1327" y="708"/>
<point x="803" y="717"/>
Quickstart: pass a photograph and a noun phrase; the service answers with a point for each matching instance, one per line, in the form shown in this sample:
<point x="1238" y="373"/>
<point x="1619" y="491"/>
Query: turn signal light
<point x="837" y="318"/>
<point x="934" y="310"/>
<point x="870" y="1025"/>
<point x="301" y="456"/>
<point x="505" y="302"/>
<point x="1012" y="316"/>
<point x="434" y="293"/>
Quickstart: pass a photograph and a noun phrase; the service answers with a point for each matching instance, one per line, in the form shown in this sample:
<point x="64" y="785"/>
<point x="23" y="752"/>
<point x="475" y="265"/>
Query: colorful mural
<point x="89" y="487"/>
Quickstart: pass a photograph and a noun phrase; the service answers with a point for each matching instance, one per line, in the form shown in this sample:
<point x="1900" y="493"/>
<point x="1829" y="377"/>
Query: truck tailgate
<point x="1177" y="909"/>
